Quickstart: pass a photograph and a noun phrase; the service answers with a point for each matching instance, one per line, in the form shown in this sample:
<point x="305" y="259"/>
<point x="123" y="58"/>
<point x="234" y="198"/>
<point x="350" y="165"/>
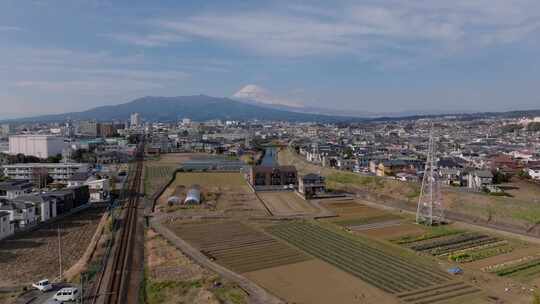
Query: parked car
<point x="67" y="294"/>
<point x="43" y="285"/>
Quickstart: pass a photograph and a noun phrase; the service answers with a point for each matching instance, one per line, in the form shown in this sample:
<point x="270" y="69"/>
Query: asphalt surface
<point x="37" y="297"/>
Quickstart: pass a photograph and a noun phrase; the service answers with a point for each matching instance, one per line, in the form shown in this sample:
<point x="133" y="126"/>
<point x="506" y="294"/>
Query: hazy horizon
<point x="371" y="56"/>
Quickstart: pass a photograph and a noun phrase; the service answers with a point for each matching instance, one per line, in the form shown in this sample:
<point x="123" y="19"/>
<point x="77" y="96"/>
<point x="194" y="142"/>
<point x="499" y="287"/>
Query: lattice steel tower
<point x="430" y="208"/>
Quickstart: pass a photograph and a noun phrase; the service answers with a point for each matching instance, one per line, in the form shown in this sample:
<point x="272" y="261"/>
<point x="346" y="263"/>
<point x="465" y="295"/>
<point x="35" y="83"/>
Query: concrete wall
<point x="41" y="146"/>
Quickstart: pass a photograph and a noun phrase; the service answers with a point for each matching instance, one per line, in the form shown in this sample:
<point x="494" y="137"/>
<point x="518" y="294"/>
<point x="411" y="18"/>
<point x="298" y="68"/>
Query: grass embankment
<point x="170" y="277"/>
<point x="522" y="209"/>
<point x="171" y="291"/>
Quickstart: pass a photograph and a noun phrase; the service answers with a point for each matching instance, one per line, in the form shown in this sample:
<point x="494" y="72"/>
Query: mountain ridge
<point x="197" y="107"/>
<point x="202" y="107"/>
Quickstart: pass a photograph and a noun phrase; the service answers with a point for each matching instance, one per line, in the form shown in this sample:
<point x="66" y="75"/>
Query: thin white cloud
<point x="150" y="40"/>
<point x="60" y="80"/>
<point x="7" y="28"/>
<point x="366" y="29"/>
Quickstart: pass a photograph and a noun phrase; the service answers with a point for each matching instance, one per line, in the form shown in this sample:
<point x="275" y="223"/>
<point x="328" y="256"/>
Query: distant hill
<point x="202" y="108"/>
<point x="197" y="107"/>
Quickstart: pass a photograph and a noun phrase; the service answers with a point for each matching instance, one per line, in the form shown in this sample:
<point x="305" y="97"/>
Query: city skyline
<point x="466" y="56"/>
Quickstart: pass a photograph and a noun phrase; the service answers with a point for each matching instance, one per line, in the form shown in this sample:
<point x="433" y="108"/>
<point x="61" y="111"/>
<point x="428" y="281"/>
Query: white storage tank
<point x="174" y="200"/>
<point x="193" y="195"/>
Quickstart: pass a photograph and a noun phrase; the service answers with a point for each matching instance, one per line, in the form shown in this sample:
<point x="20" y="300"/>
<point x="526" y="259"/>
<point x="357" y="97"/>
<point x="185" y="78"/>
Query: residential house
<point x="505" y="164"/>
<point x="99" y="189"/>
<point x="64" y="200"/>
<point x="13" y="188"/>
<point x="45" y="206"/>
<point x="450" y="170"/>
<point x="311" y="184"/>
<point x="22" y="215"/>
<point x="6" y="227"/>
<point x="346" y="164"/>
<point x="395" y="166"/>
<point x="273" y="176"/>
<point x="479" y="179"/>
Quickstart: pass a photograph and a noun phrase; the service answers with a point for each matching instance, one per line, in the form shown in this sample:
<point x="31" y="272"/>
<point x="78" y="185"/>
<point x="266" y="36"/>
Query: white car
<point x="67" y="294"/>
<point x="43" y="285"/>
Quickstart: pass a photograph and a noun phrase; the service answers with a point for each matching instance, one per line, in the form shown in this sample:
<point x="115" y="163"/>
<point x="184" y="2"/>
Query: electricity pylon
<point x="430" y="208"/>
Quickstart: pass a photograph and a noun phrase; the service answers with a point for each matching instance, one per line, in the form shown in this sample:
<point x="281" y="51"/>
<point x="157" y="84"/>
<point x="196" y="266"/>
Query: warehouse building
<point x="41" y="146"/>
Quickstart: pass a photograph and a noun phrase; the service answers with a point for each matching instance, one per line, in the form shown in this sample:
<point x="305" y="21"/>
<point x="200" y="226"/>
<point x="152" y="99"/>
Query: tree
<point x="500" y="177"/>
<point x="511" y="128"/>
<point x="54" y="159"/>
<point x="523" y="174"/>
<point x="533" y="127"/>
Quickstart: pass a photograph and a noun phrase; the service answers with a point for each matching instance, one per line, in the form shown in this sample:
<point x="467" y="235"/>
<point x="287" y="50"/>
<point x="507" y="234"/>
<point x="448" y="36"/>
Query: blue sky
<point x="373" y="56"/>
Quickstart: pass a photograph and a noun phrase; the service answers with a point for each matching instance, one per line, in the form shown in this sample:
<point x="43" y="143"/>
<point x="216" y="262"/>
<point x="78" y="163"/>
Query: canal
<point x="270" y="157"/>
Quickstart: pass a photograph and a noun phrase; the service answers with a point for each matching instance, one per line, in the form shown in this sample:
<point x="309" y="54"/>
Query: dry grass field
<point x="171" y="277"/>
<point x="155" y="177"/>
<point x="227" y="193"/>
<point x="317" y="282"/>
<point x="159" y="171"/>
<point x="34" y="255"/>
<point x="286" y="203"/>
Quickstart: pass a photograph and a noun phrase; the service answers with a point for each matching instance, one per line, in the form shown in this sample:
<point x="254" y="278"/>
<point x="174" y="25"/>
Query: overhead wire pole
<point x="430" y="210"/>
<point x="60" y="253"/>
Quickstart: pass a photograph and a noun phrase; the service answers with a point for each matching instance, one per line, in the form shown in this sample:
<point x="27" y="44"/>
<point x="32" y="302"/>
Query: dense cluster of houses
<point x="24" y="204"/>
<point x="470" y="154"/>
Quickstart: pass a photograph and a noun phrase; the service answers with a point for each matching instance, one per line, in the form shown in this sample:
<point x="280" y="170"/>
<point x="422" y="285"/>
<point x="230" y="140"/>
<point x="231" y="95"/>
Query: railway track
<point x="113" y="283"/>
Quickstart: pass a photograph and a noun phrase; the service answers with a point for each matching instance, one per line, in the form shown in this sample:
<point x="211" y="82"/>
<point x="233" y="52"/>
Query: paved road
<point x="38" y="297"/>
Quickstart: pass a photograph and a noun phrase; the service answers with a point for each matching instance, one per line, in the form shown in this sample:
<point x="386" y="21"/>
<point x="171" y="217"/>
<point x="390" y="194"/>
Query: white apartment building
<point x="135" y="120"/>
<point x="41" y="146"/>
<point x="59" y="172"/>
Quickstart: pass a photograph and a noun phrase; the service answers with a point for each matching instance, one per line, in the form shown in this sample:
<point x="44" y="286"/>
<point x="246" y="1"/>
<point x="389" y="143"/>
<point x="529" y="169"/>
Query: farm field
<point x="171" y="277"/>
<point x="158" y="171"/>
<point x="393" y="232"/>
<point x="418" y="279"/>
<point x="389" y="272"/>
<point x="317" y="282"/>
<point x="286" y="203"/>
<point x="226" y="192"/>
<point x="34" y="255"/>
<point x="238" y="246"/>
<point x="155" y="177"/>
<point x="365" y="220"/>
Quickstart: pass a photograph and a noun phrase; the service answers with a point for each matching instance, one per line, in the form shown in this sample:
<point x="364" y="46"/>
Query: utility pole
<point x="82" y="286"/>
<point x="60" y="252"/>
<point x="430" y="210"/>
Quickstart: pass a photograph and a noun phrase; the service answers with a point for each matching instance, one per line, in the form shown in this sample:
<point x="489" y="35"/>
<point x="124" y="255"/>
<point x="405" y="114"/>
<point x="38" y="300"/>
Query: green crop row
<point x="384" y="270"/>
<point x="435" y="232"/>
<point x="472" y="255"/>
<point x="511" y="270"/>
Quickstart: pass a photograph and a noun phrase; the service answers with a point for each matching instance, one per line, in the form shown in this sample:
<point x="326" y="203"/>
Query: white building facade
<point x="6" y="227"/>
<point x="60" y="172"/>
<point x="41" y="146"/>
<point x="534" y="173"/>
